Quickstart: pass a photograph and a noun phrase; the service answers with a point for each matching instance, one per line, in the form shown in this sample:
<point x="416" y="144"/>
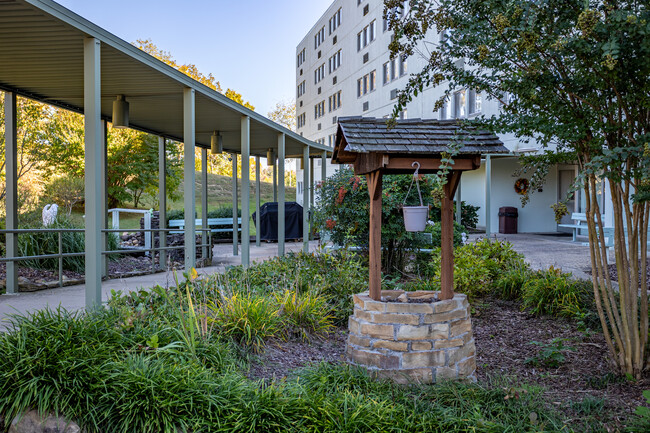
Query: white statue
<point x="49" y="214"/>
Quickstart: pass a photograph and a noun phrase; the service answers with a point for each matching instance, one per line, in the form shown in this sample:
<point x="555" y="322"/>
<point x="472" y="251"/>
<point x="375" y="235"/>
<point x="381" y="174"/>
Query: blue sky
<point x="248" y="45"/>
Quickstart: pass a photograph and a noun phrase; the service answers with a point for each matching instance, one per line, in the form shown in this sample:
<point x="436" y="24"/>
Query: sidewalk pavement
<point x="72" y="298"/>
<point x="541" y="251"/>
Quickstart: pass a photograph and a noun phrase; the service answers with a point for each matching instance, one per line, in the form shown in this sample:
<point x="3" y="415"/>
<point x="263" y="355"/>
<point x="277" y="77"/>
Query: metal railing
<point x="60" y="255"/>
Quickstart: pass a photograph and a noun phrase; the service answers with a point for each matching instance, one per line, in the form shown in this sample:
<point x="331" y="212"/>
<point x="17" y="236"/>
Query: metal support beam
<point x="93" y="170"/>
<point x="305" y="200"/>
<point x="246" y="191"/>
<point x="162" y="200"/>
<point x="104" y="196"/>
<point x="204" y="202"/>
<point x="323" y="167"/>
<point x="235" y="211"/>
<point x="312" y="190"/>
<point x="11" y="184"/>
<point x="488" y="195"/>
<point x="275" y="182"/>
<point x="258" y="184"/>
<point x="189" y="133"/>
<point x="281" y="198"/>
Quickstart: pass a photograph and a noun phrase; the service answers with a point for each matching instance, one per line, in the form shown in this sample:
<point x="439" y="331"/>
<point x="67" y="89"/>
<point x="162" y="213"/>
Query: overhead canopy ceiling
<point x="41" y="57"/>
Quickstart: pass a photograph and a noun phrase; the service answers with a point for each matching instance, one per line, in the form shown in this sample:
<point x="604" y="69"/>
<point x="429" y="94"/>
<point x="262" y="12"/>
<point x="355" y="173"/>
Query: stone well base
<point x="412" y="342"/>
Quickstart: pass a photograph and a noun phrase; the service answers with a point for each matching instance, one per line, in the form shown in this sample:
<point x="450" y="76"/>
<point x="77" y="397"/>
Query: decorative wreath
<point x="521" y="186"/>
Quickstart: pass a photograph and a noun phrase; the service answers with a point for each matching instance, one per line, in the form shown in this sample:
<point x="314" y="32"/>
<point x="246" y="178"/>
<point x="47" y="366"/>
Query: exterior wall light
<point x="216" y="143"/>
<point x="120" y="112"/>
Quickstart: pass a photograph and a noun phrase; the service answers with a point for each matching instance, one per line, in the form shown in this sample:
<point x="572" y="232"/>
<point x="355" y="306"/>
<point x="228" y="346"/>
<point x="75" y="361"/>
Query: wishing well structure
<point x="415" y="336"/>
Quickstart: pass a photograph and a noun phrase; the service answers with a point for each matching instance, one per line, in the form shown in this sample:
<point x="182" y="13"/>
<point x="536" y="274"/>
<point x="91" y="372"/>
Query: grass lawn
<point x="219" y="195"/>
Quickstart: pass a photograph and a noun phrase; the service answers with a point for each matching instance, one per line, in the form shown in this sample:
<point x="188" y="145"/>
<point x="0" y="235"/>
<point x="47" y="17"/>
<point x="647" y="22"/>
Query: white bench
<point x="579" y="224"/>
<point x="216" y="225"/>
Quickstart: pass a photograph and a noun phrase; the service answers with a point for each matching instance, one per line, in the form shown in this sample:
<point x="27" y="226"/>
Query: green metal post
<point x="11" y="183"/>
<point x="488" y="195"/>
<point x="281" y="202"/>
<point x="275" y="182"/>
<point x="258" y="184"/>
<point x="189" y="116"/>
<point x="162" y="201"/>
<point x="245" y="191"/>
<point x="93" y="170"/>
<point x="104" y="197"/>
<point x="459" y="206"/>
<point x="323" y="167"/>
<point x="305" y="199"/>
<point x="235" y="212"/>
<point x="204" y="201"/>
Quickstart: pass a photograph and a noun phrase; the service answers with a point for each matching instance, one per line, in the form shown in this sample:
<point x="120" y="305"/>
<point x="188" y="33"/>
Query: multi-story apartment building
<point x="343" y="68"/>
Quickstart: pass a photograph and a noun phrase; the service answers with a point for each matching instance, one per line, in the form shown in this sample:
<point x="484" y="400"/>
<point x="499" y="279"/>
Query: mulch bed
<point x="503" y="335"/>
<point x="613" y="272"/>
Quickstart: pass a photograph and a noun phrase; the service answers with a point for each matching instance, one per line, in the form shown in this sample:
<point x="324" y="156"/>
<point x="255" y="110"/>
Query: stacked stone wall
<point x="421" y="342"/>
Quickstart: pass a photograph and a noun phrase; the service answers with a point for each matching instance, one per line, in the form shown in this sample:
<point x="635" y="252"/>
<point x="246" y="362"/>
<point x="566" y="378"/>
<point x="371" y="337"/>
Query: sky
<point x="248" y="45"/>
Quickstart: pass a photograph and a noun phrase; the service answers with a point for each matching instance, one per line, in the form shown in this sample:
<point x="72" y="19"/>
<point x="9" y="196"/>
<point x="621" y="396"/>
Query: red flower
<point x="330" y="224"/>
<point x="342" y="192"/>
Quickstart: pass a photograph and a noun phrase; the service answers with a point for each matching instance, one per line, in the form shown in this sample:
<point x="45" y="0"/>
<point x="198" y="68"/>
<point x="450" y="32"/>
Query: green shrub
<point x="509" y="284"/>
<point x="558" y="294"/>
<point x="304" y="314"/>
<point x="477" y="264"/>
<point x="343" y="213"/>
<point x="468" y="217"/>
<point x="550" y="355"/>
<point x="42" y="243"/>
<point x="436" y="234"/>
<point x="248" y="319"/>
<point x="642" y="422"/>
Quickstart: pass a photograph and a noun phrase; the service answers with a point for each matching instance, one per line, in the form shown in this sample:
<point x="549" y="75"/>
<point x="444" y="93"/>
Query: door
<point x="566" y="178"/>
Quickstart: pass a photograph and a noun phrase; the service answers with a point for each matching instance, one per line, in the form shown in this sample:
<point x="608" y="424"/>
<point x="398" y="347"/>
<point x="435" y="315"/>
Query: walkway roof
<point x="41" y="57"/>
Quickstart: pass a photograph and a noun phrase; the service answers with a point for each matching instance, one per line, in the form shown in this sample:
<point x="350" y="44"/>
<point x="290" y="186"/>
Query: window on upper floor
<point x="366" y="84"/>
<point x="335" y="61"/>
<point x="301" y="119"/>
<point x="319" y="110"/>
<point x="335" y="101"/>
<point x="319" y="73"/>
<point x="332" y="140"/>
<point x="366" y="36"/>
<point x="393" y="69"/>
<point x="301" y="89"/>
<point x="391" y="16"/>
<point x="319" y="37"/>
<point x="335" y="21"/>
<point x="301" y="58"/>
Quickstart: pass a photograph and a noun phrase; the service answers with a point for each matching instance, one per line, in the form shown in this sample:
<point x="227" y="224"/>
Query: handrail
<point x="61" y="255"/>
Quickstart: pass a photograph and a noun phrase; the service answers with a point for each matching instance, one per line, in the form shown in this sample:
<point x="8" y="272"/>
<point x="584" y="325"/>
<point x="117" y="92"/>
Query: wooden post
<point x="374" y="188"/>
<point x="447" y="237"/>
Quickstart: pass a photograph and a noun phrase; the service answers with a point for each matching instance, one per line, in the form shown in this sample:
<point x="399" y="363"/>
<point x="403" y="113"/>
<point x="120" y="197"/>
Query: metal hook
<point x="417" y="169"/>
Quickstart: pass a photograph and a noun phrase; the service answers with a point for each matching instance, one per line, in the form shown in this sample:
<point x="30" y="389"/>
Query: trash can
<point x="508" y="220"/>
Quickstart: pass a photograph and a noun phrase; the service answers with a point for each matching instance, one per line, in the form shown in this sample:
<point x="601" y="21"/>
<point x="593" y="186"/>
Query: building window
<point x="301" y="120"/>
<point x="335" y="61"/>
<point x="335" y="21"/>
<point x="394" y="69"/>
<point x="301" y="58"/>
<point x="403" y="115"/>
<point x="367" y="83"/>
<point x="319" y="37"/>
<point x="301" y="89"/>
<point x="475" y="102"/>
<point x="393" y="15"/>
<point x="319" y="73"/>
<point x="366" y="36"/>
<point x="332" y="140"/>
<point x="335" y="101"/>
<point x="319" y="110"/>
<point x="460" y="104"/>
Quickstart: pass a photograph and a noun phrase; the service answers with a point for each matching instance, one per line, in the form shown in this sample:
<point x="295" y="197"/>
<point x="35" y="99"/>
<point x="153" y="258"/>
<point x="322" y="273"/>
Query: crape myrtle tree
<point x="573" y="75"/>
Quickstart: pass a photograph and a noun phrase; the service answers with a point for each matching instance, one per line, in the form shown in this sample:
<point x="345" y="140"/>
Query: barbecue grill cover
<point x="267" y="228"/>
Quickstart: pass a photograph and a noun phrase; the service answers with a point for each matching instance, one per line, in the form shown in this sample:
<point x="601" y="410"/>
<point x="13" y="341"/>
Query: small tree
<point x="66" y="191"/>
<point x="573" y="73"/>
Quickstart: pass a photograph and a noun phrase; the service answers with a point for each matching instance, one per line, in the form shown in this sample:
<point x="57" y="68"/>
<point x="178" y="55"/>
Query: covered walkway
<point x="52" y="55"/>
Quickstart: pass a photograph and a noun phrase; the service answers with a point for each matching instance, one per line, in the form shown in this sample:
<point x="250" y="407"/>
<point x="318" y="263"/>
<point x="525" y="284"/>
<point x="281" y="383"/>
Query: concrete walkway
<point x="73" y="297"/>
<point x="541" y="252"/>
